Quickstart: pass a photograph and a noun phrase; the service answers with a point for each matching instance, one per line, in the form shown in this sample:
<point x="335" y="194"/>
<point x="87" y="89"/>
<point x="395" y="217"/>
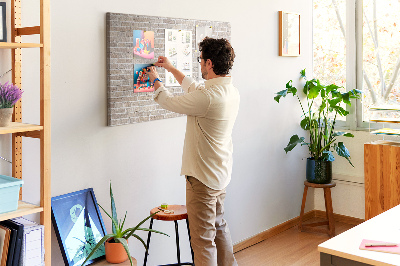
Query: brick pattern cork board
<point x="125" y="106"/>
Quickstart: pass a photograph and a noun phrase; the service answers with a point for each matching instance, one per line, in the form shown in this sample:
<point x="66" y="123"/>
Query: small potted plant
<point x="9" y="95"/>
<point x="116" y="243"/>
<point x="324" y="105"/>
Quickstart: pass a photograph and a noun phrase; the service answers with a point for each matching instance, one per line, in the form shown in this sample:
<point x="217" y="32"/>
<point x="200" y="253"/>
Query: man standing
<point x="211" y="111"/>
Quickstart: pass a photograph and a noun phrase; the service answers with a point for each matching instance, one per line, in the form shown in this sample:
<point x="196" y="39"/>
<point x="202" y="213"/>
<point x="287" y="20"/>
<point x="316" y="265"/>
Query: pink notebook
<point x="393" y="249"/>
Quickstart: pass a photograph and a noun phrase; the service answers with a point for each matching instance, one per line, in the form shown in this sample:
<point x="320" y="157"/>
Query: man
<point x="211" y="111"/>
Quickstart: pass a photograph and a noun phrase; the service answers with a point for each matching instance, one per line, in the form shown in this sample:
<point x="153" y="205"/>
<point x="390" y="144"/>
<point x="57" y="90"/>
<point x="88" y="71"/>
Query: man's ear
<point x="209" y="63"/>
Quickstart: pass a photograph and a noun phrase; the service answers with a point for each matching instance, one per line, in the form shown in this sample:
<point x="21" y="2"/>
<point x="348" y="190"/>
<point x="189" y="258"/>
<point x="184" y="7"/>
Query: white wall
<point x="143" y="160"/>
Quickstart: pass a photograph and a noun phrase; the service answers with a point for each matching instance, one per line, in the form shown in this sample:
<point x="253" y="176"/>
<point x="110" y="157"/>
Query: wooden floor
<point x="290" y="247"/>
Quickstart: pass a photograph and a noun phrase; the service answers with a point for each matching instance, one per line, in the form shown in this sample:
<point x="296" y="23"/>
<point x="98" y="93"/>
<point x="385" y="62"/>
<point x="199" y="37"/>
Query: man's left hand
<point x="152" y="72"/>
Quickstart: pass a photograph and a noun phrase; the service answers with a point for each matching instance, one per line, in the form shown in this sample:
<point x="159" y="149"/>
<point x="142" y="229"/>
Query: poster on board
<point x="141" y="81"/>
<point x="143" y="44"/>
<point x="178" y="49"/>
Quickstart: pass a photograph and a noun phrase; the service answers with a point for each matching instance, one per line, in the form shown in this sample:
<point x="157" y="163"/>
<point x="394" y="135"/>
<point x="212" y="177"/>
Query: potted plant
<point x="324" y="105"/>
<point x="9" y="95"/>
<point x="116" y="243"/>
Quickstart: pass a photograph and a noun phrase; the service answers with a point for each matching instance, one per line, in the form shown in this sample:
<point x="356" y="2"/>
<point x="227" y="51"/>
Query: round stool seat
<point x="308" y="184"/>
<point x="180" y="213"/>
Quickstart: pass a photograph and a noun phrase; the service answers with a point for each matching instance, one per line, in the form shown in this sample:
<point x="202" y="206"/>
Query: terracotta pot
<point x="115" y="252"/>
<point x="5" y="116"/>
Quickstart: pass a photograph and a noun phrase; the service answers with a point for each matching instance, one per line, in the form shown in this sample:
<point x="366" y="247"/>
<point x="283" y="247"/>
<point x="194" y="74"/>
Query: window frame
<point x="354" y="70"/>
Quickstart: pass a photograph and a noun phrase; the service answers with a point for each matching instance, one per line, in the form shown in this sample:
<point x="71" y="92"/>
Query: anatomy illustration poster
<point x="178" y="49"/>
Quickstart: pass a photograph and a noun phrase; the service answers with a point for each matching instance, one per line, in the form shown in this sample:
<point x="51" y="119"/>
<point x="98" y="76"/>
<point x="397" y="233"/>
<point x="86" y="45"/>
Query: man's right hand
<point x="165" y="63"/>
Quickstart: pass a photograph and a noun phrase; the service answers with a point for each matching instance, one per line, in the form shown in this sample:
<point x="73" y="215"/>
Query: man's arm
<point x="165" y="63"/>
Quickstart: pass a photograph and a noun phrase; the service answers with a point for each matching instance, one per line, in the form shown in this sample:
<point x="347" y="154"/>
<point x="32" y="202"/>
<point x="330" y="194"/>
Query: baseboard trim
<point x="340" y="218"/>
<point x="271" y="232"/>
<point x="289" y="224"/>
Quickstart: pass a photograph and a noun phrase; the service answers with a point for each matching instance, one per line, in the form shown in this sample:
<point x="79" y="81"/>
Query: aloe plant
<point x="119" y="234"/>
<point x="320" y="124"/>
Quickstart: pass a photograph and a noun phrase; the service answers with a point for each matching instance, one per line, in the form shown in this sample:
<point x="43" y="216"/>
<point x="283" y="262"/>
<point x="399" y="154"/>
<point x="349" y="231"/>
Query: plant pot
<point x="115" y="252"/>
<point x="5" y="116"/>
<point x="319" y="172"/>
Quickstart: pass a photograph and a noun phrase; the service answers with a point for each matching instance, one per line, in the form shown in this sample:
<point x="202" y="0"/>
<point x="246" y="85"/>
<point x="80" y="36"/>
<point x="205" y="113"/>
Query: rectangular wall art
<point x="289" y="34"/>
<point x="143" y="42"/>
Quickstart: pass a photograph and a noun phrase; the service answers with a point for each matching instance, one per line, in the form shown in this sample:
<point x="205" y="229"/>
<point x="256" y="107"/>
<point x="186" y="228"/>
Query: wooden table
<point x="344" y="248"/>
<point x="105" y="263"/>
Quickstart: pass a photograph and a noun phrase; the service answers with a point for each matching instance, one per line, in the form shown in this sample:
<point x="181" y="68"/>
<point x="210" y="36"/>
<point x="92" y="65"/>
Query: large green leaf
<point x="294" y="140"/>
<point x="343" y="151"/>
<point x="305" y="123"/>
<point x="280" y="94"/>
<point x="113" y="211"/>
<point x="331" y="87"/>
<point x="346" y="98"/>
<point x="327" y="156"/>
<point x="313" y="92"/>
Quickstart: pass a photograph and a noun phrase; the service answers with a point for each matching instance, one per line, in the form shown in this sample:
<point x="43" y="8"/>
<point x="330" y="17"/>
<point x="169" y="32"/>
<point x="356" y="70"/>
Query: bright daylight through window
<point x="379" y="41"/>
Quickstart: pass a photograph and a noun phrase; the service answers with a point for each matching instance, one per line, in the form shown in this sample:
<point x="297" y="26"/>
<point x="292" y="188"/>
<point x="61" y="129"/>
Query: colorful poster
<point x="143" y="44"/>
<point x="201" y="33"/>
<point x="178" y="49"/>
<point x="141" y="81"/>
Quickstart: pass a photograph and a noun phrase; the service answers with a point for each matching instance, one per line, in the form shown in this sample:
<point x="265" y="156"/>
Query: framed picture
<point x="78" y="226"/>
<point x="3" y="26"/>
<point x="289" y="34"/>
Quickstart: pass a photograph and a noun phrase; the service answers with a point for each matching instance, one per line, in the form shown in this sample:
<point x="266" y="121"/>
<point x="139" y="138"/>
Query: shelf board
<point x="10" y="45"/>
<point x="16" y="127"/>
<point x="24" y="208"/>
<point x="386" y="120"/>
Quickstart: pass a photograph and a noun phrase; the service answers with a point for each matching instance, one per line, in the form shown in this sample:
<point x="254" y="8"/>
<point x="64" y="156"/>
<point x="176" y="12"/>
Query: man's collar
<point x="219" y="80"/>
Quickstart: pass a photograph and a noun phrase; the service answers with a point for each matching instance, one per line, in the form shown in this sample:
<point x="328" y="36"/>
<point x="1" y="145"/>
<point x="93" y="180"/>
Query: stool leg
<point x="190" y="240"/>
<point x="303" y="204"/>
<point x="148" y="242"/>
<point x="329" y="211"/>
<point x="178" y="252"/>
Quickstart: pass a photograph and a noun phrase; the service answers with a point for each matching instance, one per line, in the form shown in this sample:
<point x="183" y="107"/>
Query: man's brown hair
<point x="220" y="52"/>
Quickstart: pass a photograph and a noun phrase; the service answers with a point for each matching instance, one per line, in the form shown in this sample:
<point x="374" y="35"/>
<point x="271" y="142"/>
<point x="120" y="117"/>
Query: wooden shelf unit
<point x="42" y="131"/>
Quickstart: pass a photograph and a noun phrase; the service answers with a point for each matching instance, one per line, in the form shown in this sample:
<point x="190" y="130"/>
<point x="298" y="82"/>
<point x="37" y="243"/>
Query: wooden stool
<point x="180" y="213"/>
<point x="328" y="207"/>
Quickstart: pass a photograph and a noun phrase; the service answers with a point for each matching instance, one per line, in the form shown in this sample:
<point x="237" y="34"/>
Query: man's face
<point x="204" y="72"/>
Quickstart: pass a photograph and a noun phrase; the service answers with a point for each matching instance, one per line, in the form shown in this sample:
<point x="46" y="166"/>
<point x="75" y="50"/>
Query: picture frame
<point x="3" y="22"/>
<point x="289" y="34"/>
<point x="78" y="226"/>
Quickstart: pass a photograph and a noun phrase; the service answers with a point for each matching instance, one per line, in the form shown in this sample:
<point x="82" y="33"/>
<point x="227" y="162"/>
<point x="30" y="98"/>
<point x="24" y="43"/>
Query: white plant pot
<point x="5" y="116"/>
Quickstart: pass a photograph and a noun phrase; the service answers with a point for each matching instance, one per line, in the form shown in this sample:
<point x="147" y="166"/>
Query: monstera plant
<point x="324" y="103"/>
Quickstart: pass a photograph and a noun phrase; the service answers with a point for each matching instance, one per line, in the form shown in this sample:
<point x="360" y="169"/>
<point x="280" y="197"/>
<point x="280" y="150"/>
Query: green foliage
<point x="119" y="234"/>
<point x="320" y="124"/>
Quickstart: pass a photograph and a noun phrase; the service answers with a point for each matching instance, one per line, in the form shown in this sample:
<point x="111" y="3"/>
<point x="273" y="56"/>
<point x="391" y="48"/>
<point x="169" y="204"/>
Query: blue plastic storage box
<point x="9" y="193"/>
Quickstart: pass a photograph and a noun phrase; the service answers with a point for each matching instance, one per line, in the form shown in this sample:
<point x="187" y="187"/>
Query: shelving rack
<point x="42" y="131"/>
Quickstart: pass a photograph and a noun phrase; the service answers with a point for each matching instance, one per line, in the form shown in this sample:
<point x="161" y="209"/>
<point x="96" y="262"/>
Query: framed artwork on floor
<point x="78" y="226"/>
<point x="289" y="34"/>
<point x="3" y="25"/>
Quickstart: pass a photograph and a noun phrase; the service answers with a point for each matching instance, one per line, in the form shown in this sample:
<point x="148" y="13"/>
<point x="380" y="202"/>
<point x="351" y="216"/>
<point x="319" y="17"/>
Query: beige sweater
<point x="211" y="111"/>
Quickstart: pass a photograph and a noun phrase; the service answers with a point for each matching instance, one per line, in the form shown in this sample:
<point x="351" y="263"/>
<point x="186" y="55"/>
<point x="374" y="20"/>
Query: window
<point x="363" y="53"/>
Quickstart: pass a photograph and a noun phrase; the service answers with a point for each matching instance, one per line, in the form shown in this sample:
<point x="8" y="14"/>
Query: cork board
<point x="125" y="106"/>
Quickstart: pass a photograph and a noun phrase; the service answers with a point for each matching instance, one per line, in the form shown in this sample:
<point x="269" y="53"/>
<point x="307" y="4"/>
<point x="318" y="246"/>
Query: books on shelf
<point x="25" y="245"/>
<point x="4" y="243"/>
<point x="32" y="248"/>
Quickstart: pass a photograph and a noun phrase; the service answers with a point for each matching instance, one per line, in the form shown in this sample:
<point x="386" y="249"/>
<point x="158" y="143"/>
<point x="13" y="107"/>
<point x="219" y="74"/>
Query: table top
<point x="383" y="227"/>
<point x="105" y="263"/>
